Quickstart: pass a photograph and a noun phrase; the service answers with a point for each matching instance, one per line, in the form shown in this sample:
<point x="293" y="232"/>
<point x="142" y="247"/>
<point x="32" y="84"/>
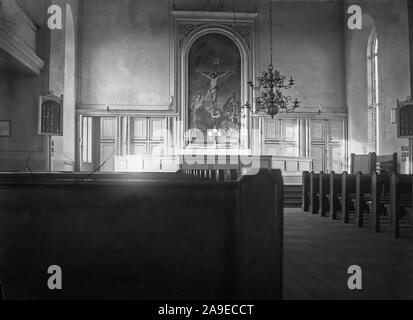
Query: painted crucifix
<point x="214" y="77"/>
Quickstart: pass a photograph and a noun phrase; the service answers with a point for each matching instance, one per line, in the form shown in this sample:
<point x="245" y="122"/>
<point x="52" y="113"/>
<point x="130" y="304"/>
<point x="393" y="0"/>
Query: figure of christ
<point x="214" y="78"/>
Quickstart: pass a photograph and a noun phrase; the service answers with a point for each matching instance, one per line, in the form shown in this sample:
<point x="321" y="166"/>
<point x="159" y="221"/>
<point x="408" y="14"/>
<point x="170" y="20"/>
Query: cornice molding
<point x="18" y="35"/>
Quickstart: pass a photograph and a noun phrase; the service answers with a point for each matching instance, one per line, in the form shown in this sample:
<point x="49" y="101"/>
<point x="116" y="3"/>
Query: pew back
<point x="364" y="163"/>
<point x="314" y="190"/>
<point x="387" y="164"/>
<point x="335" y="191"/>
<point x="306" y="191"/>
<point x="348" y="192"/>
<point x="369" y="163"/>
<point x="401" y="201"/>
<point x="142" y="236"/>
<point x="324" y="191"/>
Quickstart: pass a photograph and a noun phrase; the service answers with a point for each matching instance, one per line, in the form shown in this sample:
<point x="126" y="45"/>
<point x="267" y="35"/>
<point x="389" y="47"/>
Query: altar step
<point x="292" y="196"/>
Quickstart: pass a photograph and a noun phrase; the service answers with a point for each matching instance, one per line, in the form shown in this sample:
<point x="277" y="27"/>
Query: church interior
<point x="206" y="149"/>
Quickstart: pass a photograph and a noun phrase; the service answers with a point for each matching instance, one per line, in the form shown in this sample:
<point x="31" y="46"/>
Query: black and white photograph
<point x="206" y="155"/>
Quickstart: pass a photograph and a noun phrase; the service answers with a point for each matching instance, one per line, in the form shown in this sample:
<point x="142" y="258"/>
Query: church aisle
<point x="319" y="251"/>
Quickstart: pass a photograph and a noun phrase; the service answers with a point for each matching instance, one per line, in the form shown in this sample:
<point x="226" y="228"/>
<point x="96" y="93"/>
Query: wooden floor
<point x="319" y="251"/>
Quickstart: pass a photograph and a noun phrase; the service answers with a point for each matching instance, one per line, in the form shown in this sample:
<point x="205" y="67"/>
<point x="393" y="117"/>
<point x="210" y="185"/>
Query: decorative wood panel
<point x="108" y="129"/>
<point x="327" y="144"/>
<point x="318" y="153"/>
<point x="148" y="136"/>
<point x="107" y="151"/>
<point x="336" y="158"/>
<point x="139" y="149"/>
<point x="289" y="130"/>
<point x="272" y="149"/>
<point x="281" y="137"/>
<point x="157" y="149"/>
<point x="271" y="129"/>
<point x="318" y="132"/>
<point x="157" y="129"/>
<point x="140" y="129"/>
<point x="335" y="131"/>
<point x="108" y="143"/>
<point x="289" y="150"/>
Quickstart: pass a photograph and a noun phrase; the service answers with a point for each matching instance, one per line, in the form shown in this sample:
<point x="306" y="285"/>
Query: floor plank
<point x="318" y="252"/>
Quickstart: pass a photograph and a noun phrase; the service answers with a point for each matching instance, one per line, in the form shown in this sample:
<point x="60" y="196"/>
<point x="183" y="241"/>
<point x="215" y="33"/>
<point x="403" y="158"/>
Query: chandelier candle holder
<point x="270" y="86"/>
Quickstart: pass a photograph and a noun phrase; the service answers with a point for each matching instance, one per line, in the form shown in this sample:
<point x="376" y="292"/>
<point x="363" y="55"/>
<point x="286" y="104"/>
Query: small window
<point x="374" y="96"/>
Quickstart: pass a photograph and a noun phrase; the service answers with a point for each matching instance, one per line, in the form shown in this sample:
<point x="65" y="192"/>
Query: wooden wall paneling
<point x="335" y="131"/>
<point x="327" y="144"/>
<point x="109" y="138"/>
<point x="289" y="150"/>
<point x="148" y="136"/>
<point x="318" y="142"/>
<point x="318" y="152"/>
<point x="281" y="137"/>
<point x="140" y="129"/>
<point x="157" y="127"/>
<point x="272" y="149"/>
<point x="271" y="138"/>
<point x="86" y="143"/>
<point x="335" y="158"/>
<point x="290" y="137"/>
<point x="126" y="136"/>
<point x="140" y="134"/>
<point x="157" y="149"/>
<point x="318" y="131"/>
<point x="289" y="130"/>
<point x="139" y="148"/>
<point x="308" y="138"/>
<point x="302" y="142"/>
<point x="257" y="135"/>
<point x="271" y="129"/>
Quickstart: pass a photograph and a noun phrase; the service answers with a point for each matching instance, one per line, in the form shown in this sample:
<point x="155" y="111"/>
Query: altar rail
<point x="292" y="168"/>
<point x="141" y="236"/>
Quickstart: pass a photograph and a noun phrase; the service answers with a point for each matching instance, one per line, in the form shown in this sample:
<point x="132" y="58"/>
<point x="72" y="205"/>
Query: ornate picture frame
<point x="50" y="115"/>
<point x="405" y="119"/>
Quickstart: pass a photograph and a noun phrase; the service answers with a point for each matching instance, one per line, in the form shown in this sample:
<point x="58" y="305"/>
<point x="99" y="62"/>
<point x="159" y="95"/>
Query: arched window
<point x="373" y="87"/>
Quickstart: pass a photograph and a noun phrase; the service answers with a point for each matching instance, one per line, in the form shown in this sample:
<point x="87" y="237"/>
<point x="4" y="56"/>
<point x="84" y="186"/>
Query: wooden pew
<point x="323" y="192"/>
<point x="214" y="174"/>
<point x="167" y="237"/>
<point x="313" y="194"/>
<point x="306" y="191"/>
<point x="347" y="197"/>
<point x="380" y="197"/>
<point x="80" y="177"/>
<point x="336" y="184"/>
<point x="401" y="203"/>
<point x="363" y="198"/>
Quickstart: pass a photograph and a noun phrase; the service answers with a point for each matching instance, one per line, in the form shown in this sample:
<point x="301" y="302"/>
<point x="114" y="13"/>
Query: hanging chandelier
<point x="269" y="88"/>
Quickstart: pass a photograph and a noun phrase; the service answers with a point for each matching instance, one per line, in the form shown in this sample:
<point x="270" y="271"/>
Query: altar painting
<point x="214" y="88"/>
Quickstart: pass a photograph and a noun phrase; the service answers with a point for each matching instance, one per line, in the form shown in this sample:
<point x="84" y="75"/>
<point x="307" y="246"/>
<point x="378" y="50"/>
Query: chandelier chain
<point x="271" y="34"/>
